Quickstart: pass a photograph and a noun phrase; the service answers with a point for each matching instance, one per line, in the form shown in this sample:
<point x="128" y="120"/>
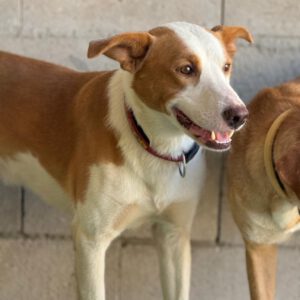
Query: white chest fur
<point x="145" y="177"/>
<point x="112" y="188"/>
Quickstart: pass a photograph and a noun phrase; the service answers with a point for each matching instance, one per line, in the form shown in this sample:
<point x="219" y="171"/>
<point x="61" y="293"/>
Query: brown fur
<point x="170" y="54"/>
<point x="254" y="202"/>
<point x="228" y="35"/>
<point x="129" y="49"/>
<point x="41" y="107"/>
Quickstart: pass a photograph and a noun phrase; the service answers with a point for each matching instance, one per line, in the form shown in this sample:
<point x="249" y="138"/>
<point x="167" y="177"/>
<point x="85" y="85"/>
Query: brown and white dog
<point x="264" y="181"/>
<point x="114" y="145"/>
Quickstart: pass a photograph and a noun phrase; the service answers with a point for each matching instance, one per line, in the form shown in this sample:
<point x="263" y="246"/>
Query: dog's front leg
<point x="93" y="232"/>
<point x="172" y="237"/>
<point x="90" y="265"/>
<point x="173" y="246"/>
<point x="261" y="269"/>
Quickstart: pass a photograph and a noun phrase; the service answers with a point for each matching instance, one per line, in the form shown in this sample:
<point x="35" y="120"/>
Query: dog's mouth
<point x="211" y="139"/>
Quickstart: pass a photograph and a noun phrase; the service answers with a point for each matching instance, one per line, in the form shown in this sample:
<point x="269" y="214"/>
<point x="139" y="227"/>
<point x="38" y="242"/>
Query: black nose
<point x="235" y="117"/>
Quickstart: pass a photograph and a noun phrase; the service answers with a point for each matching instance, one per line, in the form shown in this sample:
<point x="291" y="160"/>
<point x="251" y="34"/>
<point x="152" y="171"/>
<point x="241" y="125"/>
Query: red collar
<point x="143" y="140"/>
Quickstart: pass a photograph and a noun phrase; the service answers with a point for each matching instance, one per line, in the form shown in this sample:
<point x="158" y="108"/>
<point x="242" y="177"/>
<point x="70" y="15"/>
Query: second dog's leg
<point x="172" y="237"/>
<point x="261" y="269"/>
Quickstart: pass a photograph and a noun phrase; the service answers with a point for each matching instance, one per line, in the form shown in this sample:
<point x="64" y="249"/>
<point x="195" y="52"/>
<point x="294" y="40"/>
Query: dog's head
<point x="182" y="70"/>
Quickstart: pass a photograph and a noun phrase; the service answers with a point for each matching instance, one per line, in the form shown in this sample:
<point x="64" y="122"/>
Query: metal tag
<point x="182" y="166"/>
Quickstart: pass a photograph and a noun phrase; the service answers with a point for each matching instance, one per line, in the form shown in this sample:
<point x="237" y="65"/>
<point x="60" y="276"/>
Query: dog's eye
<point x="187" y="70"/>
<point x="226" y="67"/>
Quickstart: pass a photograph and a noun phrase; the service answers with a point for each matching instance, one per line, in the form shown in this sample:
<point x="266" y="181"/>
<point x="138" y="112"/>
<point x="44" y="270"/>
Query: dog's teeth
<point x="213" y="135"/>
<point x="230" y="133"/>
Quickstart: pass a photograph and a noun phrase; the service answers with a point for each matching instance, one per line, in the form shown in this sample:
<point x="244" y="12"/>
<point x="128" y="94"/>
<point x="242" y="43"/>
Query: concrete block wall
<point x="36" y="254"/>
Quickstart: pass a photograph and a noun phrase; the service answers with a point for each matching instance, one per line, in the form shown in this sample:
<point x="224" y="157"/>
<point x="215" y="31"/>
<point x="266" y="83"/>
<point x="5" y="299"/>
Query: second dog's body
<point x="114" y="145"/>
<point x="264" y="181"/>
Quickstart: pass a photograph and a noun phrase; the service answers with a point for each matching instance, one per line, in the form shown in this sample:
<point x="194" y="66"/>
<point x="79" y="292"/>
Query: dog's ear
<point x="288" y="168"/>
<point x="229" y="34"/>
<point x="129" y="49"/>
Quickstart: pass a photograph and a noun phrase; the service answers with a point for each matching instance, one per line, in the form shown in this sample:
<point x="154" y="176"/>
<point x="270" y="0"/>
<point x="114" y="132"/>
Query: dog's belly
<point x="24" y="169"/>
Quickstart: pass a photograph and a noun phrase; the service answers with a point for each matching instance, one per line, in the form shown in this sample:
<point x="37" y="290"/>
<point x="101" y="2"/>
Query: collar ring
<point x="182" y="166"/>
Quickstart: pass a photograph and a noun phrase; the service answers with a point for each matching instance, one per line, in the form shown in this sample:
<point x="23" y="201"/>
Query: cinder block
<point x="206" y="219"/>
<point x="113" y="271"/>
<point x="288" y="274"/>
<point x="139" y="273"/>
<point x="10" y="16"/>
<point x="219" y="273"/>
<point x="10" y="209"/>
<point x="229" y="232"/>
<point x="37" y="270"/>
<point x="216" y="274"/>
<point x="44" y="270"/>
<point x="270" y="61"/>
<point x="264" y="17"/>
<point x="69" y="52"/>
<point x="294" y="241"/>
<point x="41" y="218"/>
<point x="103" y="18"/>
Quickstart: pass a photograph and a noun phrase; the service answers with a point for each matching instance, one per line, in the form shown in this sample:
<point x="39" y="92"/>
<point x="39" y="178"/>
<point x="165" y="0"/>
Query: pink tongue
<point x="222" y="137"/>
<point x="200" y="132"/>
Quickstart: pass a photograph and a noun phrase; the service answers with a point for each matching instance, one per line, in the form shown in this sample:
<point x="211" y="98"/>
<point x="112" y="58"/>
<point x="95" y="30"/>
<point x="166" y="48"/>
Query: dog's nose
<point x="235" y="117"/>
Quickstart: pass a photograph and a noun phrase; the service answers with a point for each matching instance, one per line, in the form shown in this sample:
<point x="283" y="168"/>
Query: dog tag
<point x="182" y="166"/>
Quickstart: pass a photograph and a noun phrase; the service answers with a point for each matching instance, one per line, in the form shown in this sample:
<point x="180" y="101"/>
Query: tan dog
<point x="264" y="181"/>
<point x="121" y="147"/>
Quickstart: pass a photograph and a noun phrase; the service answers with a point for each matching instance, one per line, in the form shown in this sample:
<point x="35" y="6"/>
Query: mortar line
<point x="220" y="200"/>
<point x="21" y="17"/>
<point x="22" y="211"/>
<point x="119" y="287"/>
<point x="223" y="12"/>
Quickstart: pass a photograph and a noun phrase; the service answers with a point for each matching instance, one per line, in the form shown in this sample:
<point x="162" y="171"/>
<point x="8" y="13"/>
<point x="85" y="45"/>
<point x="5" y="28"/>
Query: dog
<point x="264" y="182"/>
<point x="122" y="147"/>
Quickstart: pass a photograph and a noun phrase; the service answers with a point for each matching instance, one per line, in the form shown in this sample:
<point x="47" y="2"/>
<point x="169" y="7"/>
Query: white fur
<point x="24" y="169"/>
<point x="205" y="102"/>
<point x="268" y="226"/>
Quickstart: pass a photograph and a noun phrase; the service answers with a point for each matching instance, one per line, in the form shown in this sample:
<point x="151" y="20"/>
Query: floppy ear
<point x="129" y="49"/>
<point x="288" y="169"/>
<point x="229" y="34"/>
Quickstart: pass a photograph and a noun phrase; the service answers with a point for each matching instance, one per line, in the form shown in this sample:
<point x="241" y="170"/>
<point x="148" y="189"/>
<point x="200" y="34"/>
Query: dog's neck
<point x="269" y="147"/>
<point x="164" y="136"/>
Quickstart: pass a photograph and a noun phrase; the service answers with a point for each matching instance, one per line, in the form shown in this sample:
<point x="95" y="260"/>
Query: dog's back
<point x="38" y="115"/>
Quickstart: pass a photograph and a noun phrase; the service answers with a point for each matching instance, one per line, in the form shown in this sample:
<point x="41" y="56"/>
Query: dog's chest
<point x="154" y="189"/>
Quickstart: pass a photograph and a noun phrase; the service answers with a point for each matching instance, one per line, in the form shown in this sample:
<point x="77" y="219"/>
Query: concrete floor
<point x="36" y="253"/>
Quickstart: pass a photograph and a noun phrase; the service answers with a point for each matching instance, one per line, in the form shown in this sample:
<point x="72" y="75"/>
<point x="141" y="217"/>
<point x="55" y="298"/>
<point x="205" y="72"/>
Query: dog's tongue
<point x="222" y="137"/>
<point x="199" y="132"/>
